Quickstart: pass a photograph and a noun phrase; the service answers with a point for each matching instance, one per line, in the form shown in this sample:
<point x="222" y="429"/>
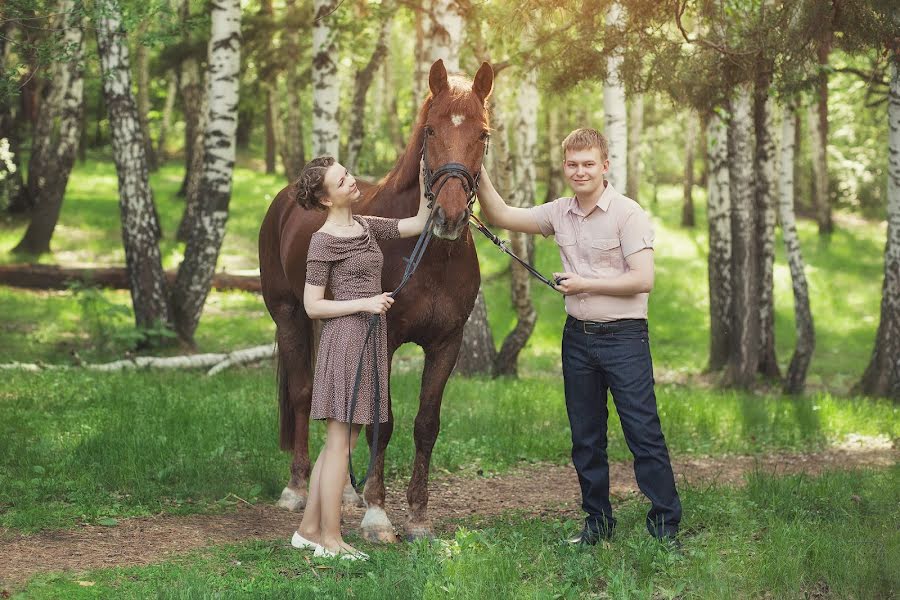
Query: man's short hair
<point x="586" y="138"/>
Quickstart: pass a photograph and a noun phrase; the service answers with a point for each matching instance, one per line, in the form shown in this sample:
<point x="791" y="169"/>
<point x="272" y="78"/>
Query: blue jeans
<point x="616" y="357"/>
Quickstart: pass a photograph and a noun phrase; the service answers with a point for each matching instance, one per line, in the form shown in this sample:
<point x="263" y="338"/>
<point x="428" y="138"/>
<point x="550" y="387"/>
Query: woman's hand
<point x="377" y="305"/>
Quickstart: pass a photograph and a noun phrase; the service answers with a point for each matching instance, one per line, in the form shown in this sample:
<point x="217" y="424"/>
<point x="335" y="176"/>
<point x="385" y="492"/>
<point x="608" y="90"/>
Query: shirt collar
<point x="603" y="203"/>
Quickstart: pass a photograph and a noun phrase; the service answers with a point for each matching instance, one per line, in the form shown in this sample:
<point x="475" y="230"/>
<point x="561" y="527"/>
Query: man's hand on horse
<point x="378" y="305"/>
<point x="570" y="283"/>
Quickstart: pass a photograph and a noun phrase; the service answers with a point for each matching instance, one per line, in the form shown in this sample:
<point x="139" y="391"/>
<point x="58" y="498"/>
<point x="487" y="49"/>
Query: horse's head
<point x="456" y="133"/>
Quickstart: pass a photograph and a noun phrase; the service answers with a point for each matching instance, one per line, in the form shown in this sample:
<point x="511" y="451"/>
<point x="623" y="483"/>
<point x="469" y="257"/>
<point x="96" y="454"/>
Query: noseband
<point x="434" y="181"/>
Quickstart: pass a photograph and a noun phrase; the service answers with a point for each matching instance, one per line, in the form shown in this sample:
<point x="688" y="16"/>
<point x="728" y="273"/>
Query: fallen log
<point x="217" y="361"/>
<point x="52" y="277"/>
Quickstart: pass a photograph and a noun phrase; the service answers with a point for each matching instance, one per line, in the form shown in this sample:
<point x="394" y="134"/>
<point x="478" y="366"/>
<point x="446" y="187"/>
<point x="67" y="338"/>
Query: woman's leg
<point x="310" y="525"/>
<point x="332" y="477"/>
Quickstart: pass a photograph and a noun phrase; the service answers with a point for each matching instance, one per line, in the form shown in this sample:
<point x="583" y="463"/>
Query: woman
<point x="344" y="256"/>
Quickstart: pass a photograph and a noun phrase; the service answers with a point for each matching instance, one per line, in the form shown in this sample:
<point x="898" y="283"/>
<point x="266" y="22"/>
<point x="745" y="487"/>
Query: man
<point x="606" y="244"/>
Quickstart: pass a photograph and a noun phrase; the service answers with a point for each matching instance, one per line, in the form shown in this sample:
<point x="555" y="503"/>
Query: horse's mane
<point x="458" y="99"/>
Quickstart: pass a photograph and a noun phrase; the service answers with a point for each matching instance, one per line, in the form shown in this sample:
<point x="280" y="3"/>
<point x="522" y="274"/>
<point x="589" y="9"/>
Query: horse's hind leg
<point x="295" y="375"/>
<point x="440" y="358"/>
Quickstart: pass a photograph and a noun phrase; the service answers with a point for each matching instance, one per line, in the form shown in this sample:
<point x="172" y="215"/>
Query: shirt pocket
<point x="607" y="253"/>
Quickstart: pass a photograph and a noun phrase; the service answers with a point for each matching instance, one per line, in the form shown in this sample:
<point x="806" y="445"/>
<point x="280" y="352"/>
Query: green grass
<point x="78" y="447"/>
<point x="791" y="537"/>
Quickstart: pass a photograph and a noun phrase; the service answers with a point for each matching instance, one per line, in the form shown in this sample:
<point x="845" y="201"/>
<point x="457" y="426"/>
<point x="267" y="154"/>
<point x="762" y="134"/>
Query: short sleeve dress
<point x="351" y="268"/>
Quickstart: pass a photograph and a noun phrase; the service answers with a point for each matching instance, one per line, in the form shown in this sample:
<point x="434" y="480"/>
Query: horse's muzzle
<point x="449" y="230"/>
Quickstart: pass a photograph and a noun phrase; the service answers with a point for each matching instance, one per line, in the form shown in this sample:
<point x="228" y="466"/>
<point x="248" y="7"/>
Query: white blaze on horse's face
<point x="457" y="120"/>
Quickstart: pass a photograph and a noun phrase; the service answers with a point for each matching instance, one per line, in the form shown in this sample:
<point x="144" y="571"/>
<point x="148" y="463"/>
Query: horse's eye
<point x="485" y="136"/>
<point x="429" y="131"/>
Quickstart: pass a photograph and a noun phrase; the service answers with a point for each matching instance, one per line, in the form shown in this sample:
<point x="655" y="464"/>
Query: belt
<point x="595" y="327"/>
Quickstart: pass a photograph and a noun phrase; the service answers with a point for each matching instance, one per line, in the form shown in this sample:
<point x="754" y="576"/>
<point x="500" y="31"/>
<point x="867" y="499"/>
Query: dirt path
<point x="536" y="490"/>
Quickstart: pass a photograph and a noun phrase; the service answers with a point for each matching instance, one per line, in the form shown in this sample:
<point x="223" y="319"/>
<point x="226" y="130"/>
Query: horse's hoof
<point x="291" y="500"/>
<point x="351" y="498"/>
<point x="376" y="527"/>
<point x="418" y="533"/>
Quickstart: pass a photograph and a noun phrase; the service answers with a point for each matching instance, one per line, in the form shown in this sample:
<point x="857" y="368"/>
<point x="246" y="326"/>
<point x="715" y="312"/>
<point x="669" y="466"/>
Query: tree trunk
<point x="744" y="355"/>
<point x="325" y="81"/>
<point x="614" y="108"/>
<point x="446" y="33"/>
<point x="363" y="82"/>
<point x="293" y="156"/>
<point x="690" y="141"/>
<point x="555" y="183"/>
<point x="525" y="130"/>
<point x="394" y="129"/>
<point x="766" y="208"/>
<point x="208" y="230"/>
<point x="422" y="53"/>
<point x="477" y="354"/>
<point x="142" y="66"/>
<point x="271" y="128"/>
<point x="635" y="129"/>
<point x="806" y="333"/>
<point x="61" y="122"/>
<point x="11" y="185"/>
<point x="818" y="132"/>
<point x="166" y="121"/>
<point x="139" y="226"/>
<point x="719" y="217"/>
<point x="191" y="91"/>
<point x="194" y="174"/>
<point x="882" y="376"/>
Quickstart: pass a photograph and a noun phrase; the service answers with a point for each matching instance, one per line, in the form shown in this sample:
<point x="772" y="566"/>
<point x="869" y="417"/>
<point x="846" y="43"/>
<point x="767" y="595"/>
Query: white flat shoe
<point x="298" y="541"/>
<point x="323" y="552"/>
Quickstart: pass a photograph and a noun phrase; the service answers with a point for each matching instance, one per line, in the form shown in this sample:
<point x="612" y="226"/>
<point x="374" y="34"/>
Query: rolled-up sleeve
<point x="636" y="232"/>
<point x="543" y="215"/>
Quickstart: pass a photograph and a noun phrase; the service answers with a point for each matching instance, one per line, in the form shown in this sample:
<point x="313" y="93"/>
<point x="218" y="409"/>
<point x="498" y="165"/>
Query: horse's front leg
<point x="440" y="359"/>
<point x="376" y="527"/>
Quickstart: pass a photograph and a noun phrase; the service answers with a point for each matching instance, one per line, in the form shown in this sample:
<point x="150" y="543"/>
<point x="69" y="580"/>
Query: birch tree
<point x="635" y="130"/>
<point x="325" y="81"/>
<point x="57" y="135"/>
<point x="766" y="207"/>
<point x="719" y="218"/>
<point x="293" y="156"/>
<point x="445" y="33"/>
<point x="803" y="320"/>
<point x="614" y="107"/>
<point x="691" y="131"/>
<point x="194" y="278"/>
<point x="139" y="227"/>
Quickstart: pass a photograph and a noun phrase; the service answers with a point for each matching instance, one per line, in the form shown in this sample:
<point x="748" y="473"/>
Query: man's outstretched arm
<point x="498" y="213"/>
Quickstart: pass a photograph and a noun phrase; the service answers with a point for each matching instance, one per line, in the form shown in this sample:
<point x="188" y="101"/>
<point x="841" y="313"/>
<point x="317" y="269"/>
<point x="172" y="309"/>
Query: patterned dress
<point x="351" y="268"/>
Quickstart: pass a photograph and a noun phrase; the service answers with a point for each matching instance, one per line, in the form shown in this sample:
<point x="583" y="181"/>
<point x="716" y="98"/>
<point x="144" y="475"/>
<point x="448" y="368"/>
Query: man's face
<point x="585" y="169"/>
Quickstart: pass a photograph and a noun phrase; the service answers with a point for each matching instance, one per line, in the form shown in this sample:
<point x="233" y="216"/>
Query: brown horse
<point x="430" y="311"/>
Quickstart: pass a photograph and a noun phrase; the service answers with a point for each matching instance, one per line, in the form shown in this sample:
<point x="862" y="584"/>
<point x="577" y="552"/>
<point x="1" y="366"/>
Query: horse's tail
<point x="295" y="366"/>
<point x="286" y="409"/>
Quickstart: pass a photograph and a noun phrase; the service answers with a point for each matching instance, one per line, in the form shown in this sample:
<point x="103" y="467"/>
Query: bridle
<point x="439" y="177"/>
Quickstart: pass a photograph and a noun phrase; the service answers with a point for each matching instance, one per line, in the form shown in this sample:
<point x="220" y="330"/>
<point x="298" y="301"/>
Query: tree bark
<point x="61" y="121"/>
<point x="615" y="109"/>
<point x="194" y="174"/>
<point x="362" y="84"/>
<point x="142" y="66"/>
<point x="293" y="156"/>
<point x="555" y="182"/>
<point x="719" y="217"/>
<point x="795" y="380"/>
<point x="191" y="91"/>
<point x="166" y="121"/>
<point x="271" y="128"/>
<point x="766" y="208"/>
<point x="52" y="277"/>
<point x="477" y="354"/>
<point x="208" y="230"/>
<point x="635" y="129"/>
<point x="422" y="54"/>
<point x="139" y="226"/>
<point x="818" y="131"/>
<point x="690" y="141"/>
<point x="525" y="132"/>
<point x="744" y="354"/>
<point x="325" y="81"/>
<point x="882" y="376"/>
<point x="446" y="33"/>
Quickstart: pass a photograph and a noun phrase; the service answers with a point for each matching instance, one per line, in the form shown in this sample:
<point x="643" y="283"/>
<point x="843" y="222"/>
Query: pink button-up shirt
<point x="595" y="245"/>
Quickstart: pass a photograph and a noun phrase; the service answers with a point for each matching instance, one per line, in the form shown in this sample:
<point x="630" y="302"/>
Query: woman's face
<point x="340" y="186"/>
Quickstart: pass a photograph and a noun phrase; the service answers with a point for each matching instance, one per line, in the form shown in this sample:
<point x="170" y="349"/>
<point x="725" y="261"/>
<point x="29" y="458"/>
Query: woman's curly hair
<point x="309" y="189"/>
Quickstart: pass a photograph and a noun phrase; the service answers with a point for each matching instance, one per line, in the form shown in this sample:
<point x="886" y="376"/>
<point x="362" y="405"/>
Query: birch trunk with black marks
<point x="477" y="353"/>
<point x="524" y="130"/>
<point x="207" y="231"/>
<point x="422" y="54"/>
<point x="361" y="87"/>
<point x="556" y="185"/>
<point x="293" y="156"/>
<point x="744" y="354"/>
<point x="191" y="92"/>
<point x="691" y="128"/>
<point x="325" y="81"/>
<point x="615" y="109"/>
<point x="192" y="197"/>
<point x="635" y="129"/>
<point x="719" y="265"/>
<point x="271" y="129"/>
<point x="766" y="208"/>
<point x="818" y="139"/>
<point x="61" y="121"/>
<point x="795" y="379"/>
<point x="165" y="122"/>
<point x="139" y="227"/>
<point x="882" y="376"/>
<point x="446" y="32"/>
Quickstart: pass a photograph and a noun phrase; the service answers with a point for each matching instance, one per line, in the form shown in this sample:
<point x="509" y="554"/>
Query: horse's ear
<point x="484" y="81"/>
<point x="437" y="79"/>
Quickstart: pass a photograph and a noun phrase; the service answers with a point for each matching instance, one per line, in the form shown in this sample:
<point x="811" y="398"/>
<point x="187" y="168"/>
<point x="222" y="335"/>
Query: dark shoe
<point x="588" y="537"/>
